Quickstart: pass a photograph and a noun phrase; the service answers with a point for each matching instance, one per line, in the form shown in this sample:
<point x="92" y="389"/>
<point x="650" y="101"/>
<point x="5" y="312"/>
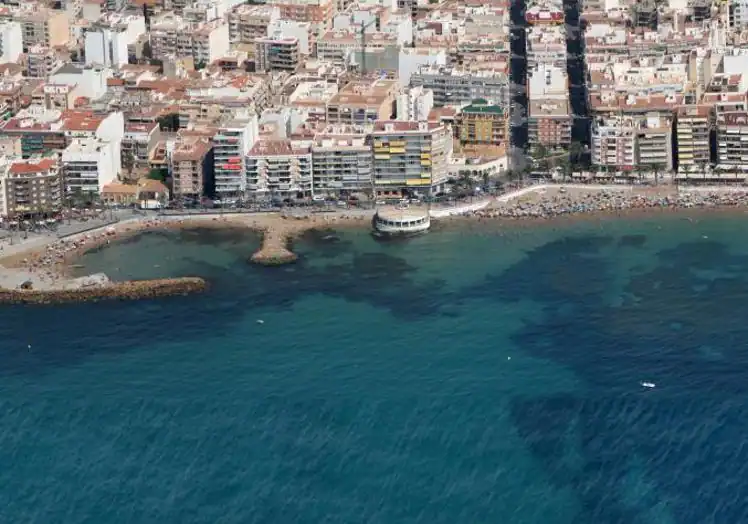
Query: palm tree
<point x="656" y="171"/>
<point x="576" y="149"/>
<point x="702" y="168"/>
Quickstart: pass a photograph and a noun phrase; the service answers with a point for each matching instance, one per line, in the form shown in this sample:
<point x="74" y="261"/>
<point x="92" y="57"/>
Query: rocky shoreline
<point x="560" y="202"/>
<point x="131" y="290"/>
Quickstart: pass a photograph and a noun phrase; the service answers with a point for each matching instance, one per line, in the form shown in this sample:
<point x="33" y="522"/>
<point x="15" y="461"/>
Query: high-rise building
<point x="341" y="161"/>
<point x="693" y="125"/>
<point x="232" y="144"/>
<point x="279" y="169"/>
<point x="33" y="186"/>
<point x="46" y="27"/>
<point x="732" y="141"/>
<point x="410" y="157"/>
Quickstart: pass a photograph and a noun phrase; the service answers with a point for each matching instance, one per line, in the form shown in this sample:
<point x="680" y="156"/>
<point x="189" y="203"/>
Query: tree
<point x="576" y="150"/>
<point x="157" y="174"/>
<point x="77" y="197"/>
<point x="169" y="122"/>
<point x="540" y="157"/>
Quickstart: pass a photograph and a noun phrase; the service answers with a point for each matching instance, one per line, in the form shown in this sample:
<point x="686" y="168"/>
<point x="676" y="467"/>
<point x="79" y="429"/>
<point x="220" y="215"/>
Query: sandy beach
<point x="46" y="265"/>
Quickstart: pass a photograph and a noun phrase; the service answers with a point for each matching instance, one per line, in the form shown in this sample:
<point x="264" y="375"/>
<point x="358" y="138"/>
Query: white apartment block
<point x="613" y="144"/>
<point x="91" y="80"/>
<point x="738" y="13"/>
<point x="11" y="42"/>
<point x="105" y="47"/>
<point x="87" y="165"/>
<point x="107" y="42"/>
<point x="210" y="42"/>
<point x="452" y="85"/>
<point x="414" y="103"/>
<point x="277" y="169"/>
<point x="231" y="146"/>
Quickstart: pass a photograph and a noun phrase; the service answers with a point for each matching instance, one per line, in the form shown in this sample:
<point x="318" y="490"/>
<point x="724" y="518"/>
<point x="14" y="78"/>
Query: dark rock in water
<point x="331" y="238"/>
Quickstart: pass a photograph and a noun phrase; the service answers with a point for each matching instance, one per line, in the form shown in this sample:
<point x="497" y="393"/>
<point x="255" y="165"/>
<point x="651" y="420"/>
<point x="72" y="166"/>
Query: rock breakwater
<point x="574" y="202"/>
<point x="131" y="290"/>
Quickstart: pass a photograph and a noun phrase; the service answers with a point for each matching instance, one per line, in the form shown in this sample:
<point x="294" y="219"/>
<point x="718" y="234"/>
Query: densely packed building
<point x="297" y="99"/>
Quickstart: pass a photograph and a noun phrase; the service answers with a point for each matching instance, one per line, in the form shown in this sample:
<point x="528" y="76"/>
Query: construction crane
<point x="364" y="26"/>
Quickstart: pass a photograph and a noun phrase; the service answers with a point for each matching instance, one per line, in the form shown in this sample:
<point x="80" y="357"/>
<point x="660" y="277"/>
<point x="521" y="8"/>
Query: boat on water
<point x="648" y="384"/>
<point x="400" y="222"/>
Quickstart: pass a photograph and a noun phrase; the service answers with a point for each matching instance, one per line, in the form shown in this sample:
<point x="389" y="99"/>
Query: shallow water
<point x="474" y="374"/>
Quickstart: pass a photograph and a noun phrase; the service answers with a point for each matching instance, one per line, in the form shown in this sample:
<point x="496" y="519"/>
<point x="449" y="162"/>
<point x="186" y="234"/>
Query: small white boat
<point x="648" y="384"/>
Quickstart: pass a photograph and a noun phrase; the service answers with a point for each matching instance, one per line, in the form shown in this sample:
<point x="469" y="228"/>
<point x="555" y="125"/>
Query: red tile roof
<point x="44" y="164"/>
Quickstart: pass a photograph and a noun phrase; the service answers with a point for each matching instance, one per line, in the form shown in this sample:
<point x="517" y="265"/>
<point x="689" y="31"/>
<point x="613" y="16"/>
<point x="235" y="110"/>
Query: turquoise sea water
<point x="477" y="374"/>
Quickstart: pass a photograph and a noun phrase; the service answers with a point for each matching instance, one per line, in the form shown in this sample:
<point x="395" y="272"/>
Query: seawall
<point x="131" y="290"/>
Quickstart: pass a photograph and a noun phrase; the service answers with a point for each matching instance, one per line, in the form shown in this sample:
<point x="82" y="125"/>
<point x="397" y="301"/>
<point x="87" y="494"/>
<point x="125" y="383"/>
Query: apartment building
<point x="11" y="41"/>
<point x="29" y="187"/>
<point x="192" y="167"/>
<point x="344" y="47"/>
<point x="276" y="54"/>
<point x="210" y="41"/>
<point x="45" y="27"/>
<point x="232" y="144"/>
<point x="410" y="157"/>
<point x="549" y="119"/>
<point x="341" y="161"/>
<point x="693" y="125"/>
<point x="482" y="124"/>
<point x="38" y="130"/>
<point x="613" y="144"/>
<point x="108" y="41"/>
<point x="318" y="13"/>
<point x="360" y="102"/>
<point x="738" y="14"/>
<point x="10" y="99"/>
<point x="55" y="97"/>
<point x="654" y="141"/>
<point x="138" y="142"/>
<point x="414" y="103"/>
<point x="172" y="37"/>
<point x="41" y="62"/>
<point x="456" y="86"/>
<point x="732" y="141"/>
<point x="277" y="169"/>
<point x="247" y="23"/>
<point x="87" y="165"/>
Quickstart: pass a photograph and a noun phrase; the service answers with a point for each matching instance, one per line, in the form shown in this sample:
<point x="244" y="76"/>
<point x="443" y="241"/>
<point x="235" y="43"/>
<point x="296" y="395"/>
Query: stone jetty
<point x="131" y="290"/>
<point x="274" y="250"/>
